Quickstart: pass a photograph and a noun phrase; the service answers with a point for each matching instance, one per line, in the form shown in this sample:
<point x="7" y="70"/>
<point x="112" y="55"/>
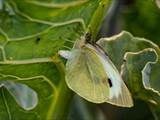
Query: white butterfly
<point x="91" y="74"/>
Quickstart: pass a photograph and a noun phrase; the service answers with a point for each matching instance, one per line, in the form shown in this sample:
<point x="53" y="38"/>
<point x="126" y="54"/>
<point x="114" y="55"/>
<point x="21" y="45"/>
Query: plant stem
<point x="98" y="17"/>
<point x="62" y="102"/>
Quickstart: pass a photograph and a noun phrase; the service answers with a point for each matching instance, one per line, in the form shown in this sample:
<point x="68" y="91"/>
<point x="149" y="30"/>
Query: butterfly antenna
<point x="66" y="47"/>
<point x="69" y="41"/>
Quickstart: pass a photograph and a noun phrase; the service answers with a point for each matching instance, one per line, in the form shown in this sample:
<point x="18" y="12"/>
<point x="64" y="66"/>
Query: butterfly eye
<point x="110" y="82"/>
<point x="88" y="37"/>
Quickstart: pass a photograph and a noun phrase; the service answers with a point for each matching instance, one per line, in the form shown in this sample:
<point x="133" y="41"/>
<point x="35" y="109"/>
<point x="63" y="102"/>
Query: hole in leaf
<point x="25" y="96"/>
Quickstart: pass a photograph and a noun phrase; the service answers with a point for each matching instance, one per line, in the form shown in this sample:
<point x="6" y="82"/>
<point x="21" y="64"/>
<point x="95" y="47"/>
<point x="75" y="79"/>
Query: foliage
<point x="32" y="74"/>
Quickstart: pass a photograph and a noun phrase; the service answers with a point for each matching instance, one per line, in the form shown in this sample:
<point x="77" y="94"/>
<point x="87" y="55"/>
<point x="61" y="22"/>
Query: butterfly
<point x="92" y="75"/>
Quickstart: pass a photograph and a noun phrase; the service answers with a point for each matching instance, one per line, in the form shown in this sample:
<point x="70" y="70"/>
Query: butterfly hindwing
<point x="97" y="73"/>
<point x="86" y="76"/>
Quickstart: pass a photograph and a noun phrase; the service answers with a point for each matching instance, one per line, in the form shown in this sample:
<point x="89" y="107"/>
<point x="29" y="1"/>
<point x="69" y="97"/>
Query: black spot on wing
<point x="110" y="82"/>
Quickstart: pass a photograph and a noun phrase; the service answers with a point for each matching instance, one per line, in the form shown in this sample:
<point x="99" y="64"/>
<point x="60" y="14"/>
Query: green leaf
<point x="11" y="109"/>
<point x="138" y="60"/>
<point x="31" y="34"/>
<point x="124" y="42"/>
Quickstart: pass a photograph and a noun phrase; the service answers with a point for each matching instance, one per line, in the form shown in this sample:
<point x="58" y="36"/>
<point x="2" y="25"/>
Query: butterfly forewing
<point x="124" y="98"/>
<point x="119" y="94"/>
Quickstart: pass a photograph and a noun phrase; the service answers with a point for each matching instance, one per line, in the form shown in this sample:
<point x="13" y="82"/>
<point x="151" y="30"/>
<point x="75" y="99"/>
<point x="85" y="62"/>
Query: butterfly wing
<point x="124" y="98"/>
<point x="119" y="94"/>
<point x="86" y="75"/>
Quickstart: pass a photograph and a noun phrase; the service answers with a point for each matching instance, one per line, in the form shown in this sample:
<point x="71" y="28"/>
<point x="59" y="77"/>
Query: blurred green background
<point x="140" y="17"/>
